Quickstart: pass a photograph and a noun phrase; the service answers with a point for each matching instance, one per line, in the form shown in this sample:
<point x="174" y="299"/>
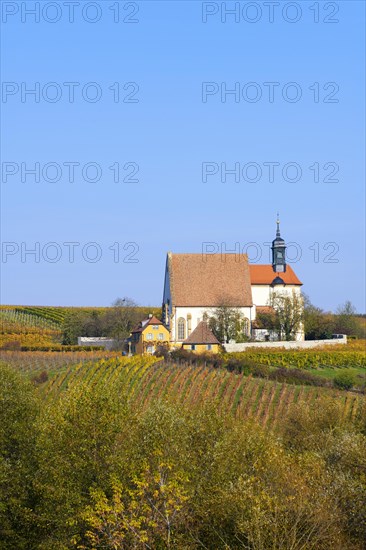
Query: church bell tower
<point x="278" y="251"/>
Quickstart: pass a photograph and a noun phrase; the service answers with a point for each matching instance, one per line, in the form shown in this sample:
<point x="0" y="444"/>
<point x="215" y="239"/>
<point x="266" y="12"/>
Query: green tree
<point x="289" y="313"/>
<point x="266" y="319"/>
<point x="117" y="322"/>
<point x="318" y="325"/>
<point x="122" y="318"/>
<point x="18" y="414"/>
<point x="346" y="319"/>
<point x="145" y="515"/>
<point x="77" y="449"/>
<point x="252" y="493"/>
<point x="93" y="325"/>
<point x="73" y="327"/>
<point x="228" y="323"/>
<point x="324" y="431"/>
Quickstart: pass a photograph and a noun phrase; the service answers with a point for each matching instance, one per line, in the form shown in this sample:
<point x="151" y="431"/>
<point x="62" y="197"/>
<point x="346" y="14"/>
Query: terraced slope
<point x="144" y="380"/>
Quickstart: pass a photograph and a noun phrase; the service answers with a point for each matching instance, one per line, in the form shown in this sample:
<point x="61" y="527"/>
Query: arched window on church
<point x="181" y="329"/>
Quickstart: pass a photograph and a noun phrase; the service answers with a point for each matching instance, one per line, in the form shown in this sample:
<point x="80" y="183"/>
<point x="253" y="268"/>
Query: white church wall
<point x="261" y="293"/>
<point x="197" y="314"/>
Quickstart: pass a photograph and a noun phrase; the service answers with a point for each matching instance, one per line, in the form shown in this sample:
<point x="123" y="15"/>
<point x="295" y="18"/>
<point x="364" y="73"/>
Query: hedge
<point x="62" y="348"/>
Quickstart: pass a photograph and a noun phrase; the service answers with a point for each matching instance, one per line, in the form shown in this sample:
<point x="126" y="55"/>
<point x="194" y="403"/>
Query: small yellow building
<point x="148" y="336"/>
<point x="202" y="339"/>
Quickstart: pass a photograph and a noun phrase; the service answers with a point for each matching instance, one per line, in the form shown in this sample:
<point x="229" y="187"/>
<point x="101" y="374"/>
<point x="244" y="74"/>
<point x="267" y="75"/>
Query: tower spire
<point x="278" y="234"/>
<point x="278" y="251"/>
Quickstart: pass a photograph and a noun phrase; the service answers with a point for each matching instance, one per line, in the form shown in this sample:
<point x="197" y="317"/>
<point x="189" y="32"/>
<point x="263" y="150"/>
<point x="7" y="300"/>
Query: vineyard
<point x="21" y="319"/>
<point x="301" y="359"/>
<point x="146" y="380"/>
<point x="43" y="326"/>
<point x="25" y="329"/>
<point x="53" y="317"/>
<point x="35" y="362"/>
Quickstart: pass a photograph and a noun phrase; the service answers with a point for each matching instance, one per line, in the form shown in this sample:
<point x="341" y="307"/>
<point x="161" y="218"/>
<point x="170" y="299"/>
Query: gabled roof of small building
<point x="202" y="334"/>
<point x="146" y="322"/>
<point x="264" y="275"/>
<point x="209" y="280"/>
<point x="268" y="310"/>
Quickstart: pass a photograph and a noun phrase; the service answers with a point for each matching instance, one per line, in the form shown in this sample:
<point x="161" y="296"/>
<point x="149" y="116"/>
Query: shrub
<point x="185" y="356"/>
<point x="261" y="371"/>
<point x="13" y="345"/>
<point x="182" y="355"/>
<point x="40" y="378"/>
<point x="241" y="365"/>
<point x="305" y="426"/>
<point x="297" y="376"/>
<point x="162" y="351"/>
<point x="62" y="348"/>
<point x="345" y="380"/>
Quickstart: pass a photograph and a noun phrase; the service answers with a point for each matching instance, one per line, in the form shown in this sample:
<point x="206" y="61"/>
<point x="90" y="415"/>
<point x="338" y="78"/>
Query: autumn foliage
<point x="127" y="453"/>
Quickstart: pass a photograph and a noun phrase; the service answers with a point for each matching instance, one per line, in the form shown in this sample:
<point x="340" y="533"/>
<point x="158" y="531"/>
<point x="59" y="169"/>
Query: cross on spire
<point x="278" y="226"/>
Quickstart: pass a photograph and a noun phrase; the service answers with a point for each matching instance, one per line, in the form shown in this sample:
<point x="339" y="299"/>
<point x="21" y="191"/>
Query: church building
<point x="197" y="283"/>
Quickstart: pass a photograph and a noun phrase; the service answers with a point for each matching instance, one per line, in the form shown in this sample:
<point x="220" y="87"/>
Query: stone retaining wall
<point x="305" y="344"/>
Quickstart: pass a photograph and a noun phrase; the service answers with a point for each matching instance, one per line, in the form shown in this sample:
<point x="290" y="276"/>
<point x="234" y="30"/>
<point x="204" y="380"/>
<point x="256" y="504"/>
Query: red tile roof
<point x="264" y="275"/>
<point x="209" y="280"/>
<point x="143" y="324"/>
<point x="202" y="334"/>
<point x="265" y="309"/>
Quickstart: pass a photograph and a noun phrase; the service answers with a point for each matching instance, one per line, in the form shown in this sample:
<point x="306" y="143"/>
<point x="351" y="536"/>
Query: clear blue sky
<point x="169" y="132"/>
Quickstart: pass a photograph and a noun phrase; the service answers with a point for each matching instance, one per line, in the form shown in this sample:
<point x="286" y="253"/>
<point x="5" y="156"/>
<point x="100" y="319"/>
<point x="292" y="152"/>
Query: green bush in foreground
<point x="89" y="470"/>
<point x="344" y="380"/>
<point x="19" y="411"/>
